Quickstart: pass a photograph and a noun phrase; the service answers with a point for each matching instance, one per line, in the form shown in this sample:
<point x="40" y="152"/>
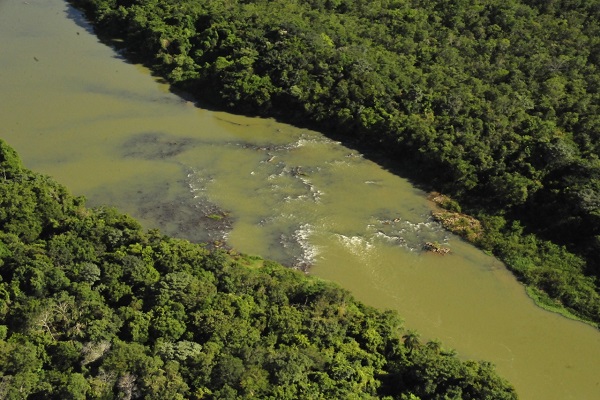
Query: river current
<point x="75" y="109"/>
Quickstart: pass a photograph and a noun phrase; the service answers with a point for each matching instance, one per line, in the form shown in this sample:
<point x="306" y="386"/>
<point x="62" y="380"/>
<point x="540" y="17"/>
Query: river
<point x="74" y="109"/>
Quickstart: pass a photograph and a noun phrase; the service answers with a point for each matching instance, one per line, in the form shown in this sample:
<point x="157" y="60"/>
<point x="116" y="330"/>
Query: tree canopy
<point x="93" y="307"/>
<point x="497" y="102"/>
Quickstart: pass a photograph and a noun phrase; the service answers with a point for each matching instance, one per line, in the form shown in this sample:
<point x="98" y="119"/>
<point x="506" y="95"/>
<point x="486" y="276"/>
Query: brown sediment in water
<point x="467" y="300"/>
<point x="155" y="145"/>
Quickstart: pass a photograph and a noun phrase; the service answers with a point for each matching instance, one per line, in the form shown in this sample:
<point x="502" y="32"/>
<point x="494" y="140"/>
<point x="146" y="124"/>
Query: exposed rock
<point x="460" y="224"/>
<point x="436" y="248"/>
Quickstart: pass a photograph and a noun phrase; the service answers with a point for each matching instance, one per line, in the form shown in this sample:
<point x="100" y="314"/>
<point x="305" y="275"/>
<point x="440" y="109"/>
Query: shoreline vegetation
<point x="471" y="230"/>
<point x="495" y="104"/>
<point x="93" y="307"/>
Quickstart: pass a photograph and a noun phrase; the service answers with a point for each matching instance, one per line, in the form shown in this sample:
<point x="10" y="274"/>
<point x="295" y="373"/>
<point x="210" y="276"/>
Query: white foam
<point x="309" y="140"/>
<point x="315" y="193"/>
<point x="340" y="163"/>
<point x="357" y="245"/>
<point x="391" y="238"/>
<point x="309" y="251"/>
<point x="409" y="235"/>
<point x="299" y="248"/>
<point x="197" y="182"/>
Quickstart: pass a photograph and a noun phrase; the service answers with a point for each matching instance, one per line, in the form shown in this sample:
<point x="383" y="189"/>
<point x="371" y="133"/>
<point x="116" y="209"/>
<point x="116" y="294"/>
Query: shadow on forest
<point x="384" y="154"/>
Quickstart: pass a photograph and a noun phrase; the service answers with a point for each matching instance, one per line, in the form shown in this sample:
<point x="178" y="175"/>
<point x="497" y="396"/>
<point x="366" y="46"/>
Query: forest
<point x="494" y="103"/>
<point x="93" y="307"/>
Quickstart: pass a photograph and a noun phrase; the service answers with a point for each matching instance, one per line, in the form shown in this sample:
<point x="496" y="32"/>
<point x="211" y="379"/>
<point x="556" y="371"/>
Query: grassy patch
<point x="460" y="224"/>
<point x="542" y="300"/>
<point x="250" y="261"/>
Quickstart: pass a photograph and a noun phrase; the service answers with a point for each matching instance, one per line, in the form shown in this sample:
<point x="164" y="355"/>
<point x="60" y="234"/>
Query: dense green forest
<point x="92" y="307"/>
<point x="493" y="102"/>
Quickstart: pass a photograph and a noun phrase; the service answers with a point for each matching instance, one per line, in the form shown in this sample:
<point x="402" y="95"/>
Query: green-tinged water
<point x="108" y="130"/>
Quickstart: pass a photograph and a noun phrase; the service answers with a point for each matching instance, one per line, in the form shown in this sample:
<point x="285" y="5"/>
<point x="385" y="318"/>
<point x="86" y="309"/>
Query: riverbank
<point x="467" y="300"/>
<point x="361" y="96"/>
<point x="99" y="308"/>
<point x="473" y="231"/>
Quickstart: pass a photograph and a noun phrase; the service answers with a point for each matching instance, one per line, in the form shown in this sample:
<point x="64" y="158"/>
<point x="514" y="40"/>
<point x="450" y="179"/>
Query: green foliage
<point x="96" y="308"/>
<point x="10" y="163"/>
<point x="497" y="100"/>
<point x="555" y="275"/>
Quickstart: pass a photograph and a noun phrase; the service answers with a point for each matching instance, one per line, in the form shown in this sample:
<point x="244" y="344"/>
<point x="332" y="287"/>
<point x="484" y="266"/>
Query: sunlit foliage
<point x="497" y="102"/>
<point x="92" y="307"/>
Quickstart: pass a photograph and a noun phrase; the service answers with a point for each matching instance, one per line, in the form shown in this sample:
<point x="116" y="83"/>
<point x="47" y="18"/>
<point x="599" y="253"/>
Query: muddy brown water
<point x="74" y="109"/>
